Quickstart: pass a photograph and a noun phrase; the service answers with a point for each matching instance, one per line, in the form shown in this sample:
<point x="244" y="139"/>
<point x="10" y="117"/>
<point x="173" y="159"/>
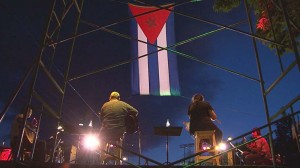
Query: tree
<point x="284" y="144"/>
<point x="270" y="21"/>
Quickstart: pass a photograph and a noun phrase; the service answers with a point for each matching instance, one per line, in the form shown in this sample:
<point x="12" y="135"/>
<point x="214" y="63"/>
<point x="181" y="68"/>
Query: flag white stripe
<point x="163" y="64"/>
<point x="143" y="64"/>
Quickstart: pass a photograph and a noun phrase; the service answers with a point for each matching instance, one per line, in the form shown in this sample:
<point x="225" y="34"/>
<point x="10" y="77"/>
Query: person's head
<point x="114" y="95"/>
<point x="197" y="97"/>
<point x="256" y="132"/>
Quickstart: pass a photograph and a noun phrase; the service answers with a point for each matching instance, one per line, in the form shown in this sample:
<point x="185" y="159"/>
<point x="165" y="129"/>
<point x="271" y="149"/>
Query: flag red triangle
<point x="150" y="23"/>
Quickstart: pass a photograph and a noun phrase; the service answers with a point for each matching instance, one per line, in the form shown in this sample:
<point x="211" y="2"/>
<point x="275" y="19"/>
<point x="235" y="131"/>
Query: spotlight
<point x="91" y="123"/>
<point x="205" y="145"/>
<point x="91" y="142"/>
<point x="221" y="146"/>
<point x="205" y="148"/>
<point x="124" y="158"/>
<point x="229" y="138"/>
<point x="59" y="127"/>
<point x="168" y="123"/>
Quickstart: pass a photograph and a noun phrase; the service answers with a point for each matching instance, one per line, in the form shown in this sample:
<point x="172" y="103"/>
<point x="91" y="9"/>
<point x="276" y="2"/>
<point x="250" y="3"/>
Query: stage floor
<point x="9" y="164"/>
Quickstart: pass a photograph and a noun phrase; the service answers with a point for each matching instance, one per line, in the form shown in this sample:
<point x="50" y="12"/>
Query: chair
<point x="206" y="139"/>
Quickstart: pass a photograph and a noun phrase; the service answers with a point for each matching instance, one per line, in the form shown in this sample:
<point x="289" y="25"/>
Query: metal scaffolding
<point x="59" y="41"/>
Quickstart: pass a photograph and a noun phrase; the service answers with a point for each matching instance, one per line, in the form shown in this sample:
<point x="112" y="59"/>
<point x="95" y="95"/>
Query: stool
<point x="26" y="155"/>
<point x="117" y="152"/>
<point x="206" y="139"/>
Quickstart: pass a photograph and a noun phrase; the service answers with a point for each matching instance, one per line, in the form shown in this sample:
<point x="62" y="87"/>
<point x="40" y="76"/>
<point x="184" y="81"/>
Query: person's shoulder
<point x="105" y="104"/>
<point x="263" y="139"/>
<point x="206" y="103"/>
<point x="196" y="104"/>
<point x="121" y="101"/>
<point x="200" y="103"/>
<point x="127" y="104"/>
<point x="108" y="102"/>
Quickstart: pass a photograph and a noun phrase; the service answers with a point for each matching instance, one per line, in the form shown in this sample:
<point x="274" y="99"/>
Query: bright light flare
<point x="59" y="127"/>
<point x="168" y="123"/>
<point x="205" y="148"/>
<point x="221" y="146"/>
<point x="91" y="142"/>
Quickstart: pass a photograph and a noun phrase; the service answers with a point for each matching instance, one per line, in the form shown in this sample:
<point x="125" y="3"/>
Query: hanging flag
<point x="154" y="72"/>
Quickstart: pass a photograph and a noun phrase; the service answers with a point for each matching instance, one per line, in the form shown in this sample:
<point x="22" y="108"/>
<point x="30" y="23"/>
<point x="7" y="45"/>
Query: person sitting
<point x="201" y="116"/>
<point x="29" y="141"/>
<point x="260" y="153"/>
<point x="113" y="120"/>
<point x="16" y="132"/>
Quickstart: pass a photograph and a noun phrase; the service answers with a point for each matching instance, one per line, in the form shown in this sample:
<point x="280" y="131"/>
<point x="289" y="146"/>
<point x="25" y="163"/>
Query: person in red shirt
<point x="260" y="153"/>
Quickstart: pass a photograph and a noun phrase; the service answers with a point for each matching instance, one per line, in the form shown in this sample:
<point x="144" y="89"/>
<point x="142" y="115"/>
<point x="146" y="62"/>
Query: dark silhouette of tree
<point x="285" y="145"/>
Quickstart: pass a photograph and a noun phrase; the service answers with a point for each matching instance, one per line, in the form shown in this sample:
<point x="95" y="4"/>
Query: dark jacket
<point x="112" y="116"/>
<point x="200" y="119"/>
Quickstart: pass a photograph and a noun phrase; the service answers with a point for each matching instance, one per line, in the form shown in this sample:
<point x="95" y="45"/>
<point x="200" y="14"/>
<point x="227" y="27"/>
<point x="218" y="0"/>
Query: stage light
<point x="80" y="124"/>
<point x="59" y="127"/>
<point x="124" y="158"/>
<point x="205" y="148"/>
<point x="205" y="144"/>
<point x="168" y="123"/>
<point x="221" y="146"/>
<point x="91" y="142"/>
<point x="91" y="123"/>
<point x="229" y="138"/>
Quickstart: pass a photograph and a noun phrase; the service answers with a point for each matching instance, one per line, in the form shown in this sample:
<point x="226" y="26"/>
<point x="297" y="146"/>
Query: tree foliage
<point x="270" y="21"/>
<point x="284" y="144"/>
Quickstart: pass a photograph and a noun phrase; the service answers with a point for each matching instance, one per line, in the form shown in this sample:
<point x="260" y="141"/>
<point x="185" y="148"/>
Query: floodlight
<point x="205" y="144"/>
<point x="91" y="142"/>
<point x="91" y="123"/>
<point x="221" y="146"/>
<point x="59" y="127"/>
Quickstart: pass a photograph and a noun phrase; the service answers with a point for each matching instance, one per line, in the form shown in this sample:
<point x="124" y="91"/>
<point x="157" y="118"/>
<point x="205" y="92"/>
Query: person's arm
<point x="256" y="146"/>
<point x="131" y="110"/>
<point x="212" y="114"/>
